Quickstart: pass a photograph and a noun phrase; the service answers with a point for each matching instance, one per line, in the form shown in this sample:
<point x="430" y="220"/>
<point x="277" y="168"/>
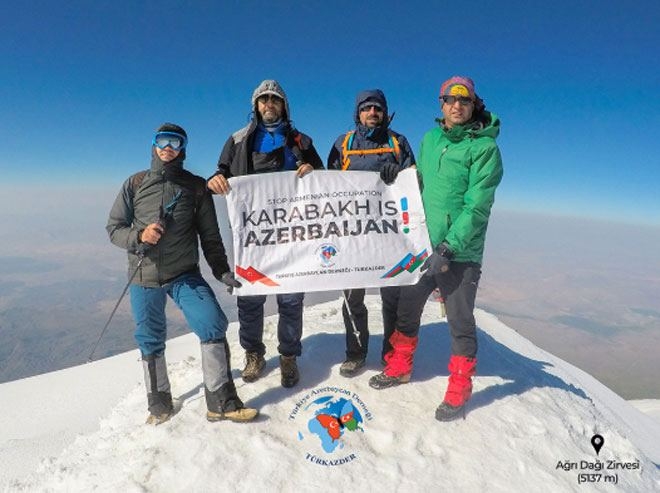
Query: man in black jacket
<point x="269" y="143"/>
<point x="371" y="146"/>
<point x="158" y="216"/>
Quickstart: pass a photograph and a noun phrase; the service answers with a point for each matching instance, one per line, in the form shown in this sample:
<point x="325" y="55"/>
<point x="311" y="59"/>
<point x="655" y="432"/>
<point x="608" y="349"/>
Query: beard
<point x="270" y="116"/>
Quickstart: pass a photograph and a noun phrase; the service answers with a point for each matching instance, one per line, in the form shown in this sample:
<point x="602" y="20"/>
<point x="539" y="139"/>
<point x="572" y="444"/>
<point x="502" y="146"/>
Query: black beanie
<point x="172" y="127"/>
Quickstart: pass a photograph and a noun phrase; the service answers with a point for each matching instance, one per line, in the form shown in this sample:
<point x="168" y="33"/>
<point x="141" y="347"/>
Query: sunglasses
<point x="164" y="139"/>
<point x="269" y="97"/>
<point x="369" y="107"/>
<point x="462" y="100"/>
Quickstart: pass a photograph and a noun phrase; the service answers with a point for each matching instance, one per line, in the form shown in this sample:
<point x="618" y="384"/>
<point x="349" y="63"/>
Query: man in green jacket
<point x="459" y="167"/>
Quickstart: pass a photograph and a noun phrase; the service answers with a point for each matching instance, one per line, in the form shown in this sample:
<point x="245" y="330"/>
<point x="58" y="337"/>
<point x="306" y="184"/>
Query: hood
<point x="374" y="95"/>
<point x="156" y="164"/>
<point x="270" y="86"/>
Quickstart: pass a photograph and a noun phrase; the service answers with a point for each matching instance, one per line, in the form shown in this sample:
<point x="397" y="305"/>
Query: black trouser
<point x="358" y="322"/>
<point x="289" y="325"/>
<point x="458" y="287"/>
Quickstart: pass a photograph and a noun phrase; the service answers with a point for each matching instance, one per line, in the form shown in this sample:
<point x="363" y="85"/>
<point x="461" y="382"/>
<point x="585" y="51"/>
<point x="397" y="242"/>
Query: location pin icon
<point x="597" y="441"/>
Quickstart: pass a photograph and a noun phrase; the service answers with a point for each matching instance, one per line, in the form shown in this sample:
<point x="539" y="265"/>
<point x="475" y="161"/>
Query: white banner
<point x="328" y="230"/>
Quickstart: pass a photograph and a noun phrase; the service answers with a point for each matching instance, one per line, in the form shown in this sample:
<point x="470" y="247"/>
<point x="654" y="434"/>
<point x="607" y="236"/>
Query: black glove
<point x="231" y="282"/>
<point x="389" y="172"/>
<point x="438" y="262"/>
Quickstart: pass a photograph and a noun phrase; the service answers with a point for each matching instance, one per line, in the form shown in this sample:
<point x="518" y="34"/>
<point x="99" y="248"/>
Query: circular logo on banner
<point x="326" y="253"/>
<point x="328" y="420"/>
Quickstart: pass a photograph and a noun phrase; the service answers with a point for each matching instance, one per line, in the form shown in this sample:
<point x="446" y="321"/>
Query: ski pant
<point x="289" y="325"/>
<point x="192" y="295"/>
<point x="458" y="287"/>
<point x="356" y="320"/>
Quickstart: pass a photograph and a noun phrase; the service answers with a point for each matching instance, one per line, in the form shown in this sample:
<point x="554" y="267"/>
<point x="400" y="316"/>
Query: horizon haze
<point x="561" y="282"/>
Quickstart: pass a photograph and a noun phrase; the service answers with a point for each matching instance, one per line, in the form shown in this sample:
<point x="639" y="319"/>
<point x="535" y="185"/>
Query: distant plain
<point x="585" y="290"/>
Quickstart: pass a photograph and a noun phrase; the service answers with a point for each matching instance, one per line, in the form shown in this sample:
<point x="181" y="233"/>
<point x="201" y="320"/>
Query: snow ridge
<point x="531" y="414"/>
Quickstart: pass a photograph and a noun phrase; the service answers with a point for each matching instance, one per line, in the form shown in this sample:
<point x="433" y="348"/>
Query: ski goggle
<point x="176" y="141"/>
<point x="462" y="100"/>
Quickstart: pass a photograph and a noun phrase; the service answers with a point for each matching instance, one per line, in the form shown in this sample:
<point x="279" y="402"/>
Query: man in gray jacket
<point x="158" y="216"/>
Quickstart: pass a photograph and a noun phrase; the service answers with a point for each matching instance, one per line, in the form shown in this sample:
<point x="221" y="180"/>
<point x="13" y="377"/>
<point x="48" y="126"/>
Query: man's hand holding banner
<point x="328" y="230"/>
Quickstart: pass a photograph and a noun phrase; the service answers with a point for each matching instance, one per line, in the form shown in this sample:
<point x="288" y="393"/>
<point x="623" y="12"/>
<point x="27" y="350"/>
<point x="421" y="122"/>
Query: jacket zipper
<point x="162" y="205"/>
<point x="442" y="154"/>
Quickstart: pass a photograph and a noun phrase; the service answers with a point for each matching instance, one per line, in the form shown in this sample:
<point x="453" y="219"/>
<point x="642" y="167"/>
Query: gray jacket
<point x="193" y="217"/>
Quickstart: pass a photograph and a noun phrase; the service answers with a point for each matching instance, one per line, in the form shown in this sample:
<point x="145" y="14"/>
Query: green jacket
<point x="460" y="169"/>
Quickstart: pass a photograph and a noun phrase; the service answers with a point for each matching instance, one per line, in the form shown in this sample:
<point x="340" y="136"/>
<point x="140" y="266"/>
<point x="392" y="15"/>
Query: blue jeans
<point x="192" y="295"/>
<point x="289" y="325"/>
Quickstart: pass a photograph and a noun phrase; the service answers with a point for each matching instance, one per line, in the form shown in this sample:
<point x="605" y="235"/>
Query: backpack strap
<point x="297" y="146"/>
<point x="345" y="148"/>
<point x="347" y="152"/>
<point x="135" y="181"/>
<point x="394" y="143"/>
<point x="297" y="138"/>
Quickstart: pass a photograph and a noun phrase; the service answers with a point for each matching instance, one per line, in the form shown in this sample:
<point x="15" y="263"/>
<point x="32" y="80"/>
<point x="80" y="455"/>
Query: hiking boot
<point x="222" y="401"/>
<point x="159" y="396"/>
<point x="447" y="412"/>
<point x="383" y="381"/>
<point x="242" y="415"/>
<point x="157" y="419"/>
<point x="289" y="370"/>
<point x="350" y="367"/>
<point x="224" y="404"/>
<point x="459" y="389"/>
<point x="254" y="366"/>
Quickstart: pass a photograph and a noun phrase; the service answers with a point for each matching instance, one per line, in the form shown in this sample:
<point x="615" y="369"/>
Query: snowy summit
<point x="529" y="425"/>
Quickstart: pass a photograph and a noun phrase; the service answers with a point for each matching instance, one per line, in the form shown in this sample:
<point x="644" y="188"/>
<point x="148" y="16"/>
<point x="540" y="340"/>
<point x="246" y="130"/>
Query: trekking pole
<point x="165" y="213"/>
<point x="356" y="332"/>
<point x="437" y="296"/>
<point x="141" y="254"/>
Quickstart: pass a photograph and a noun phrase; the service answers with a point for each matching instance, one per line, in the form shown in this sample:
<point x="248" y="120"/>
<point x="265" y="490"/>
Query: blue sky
<point x="84" y="84"/>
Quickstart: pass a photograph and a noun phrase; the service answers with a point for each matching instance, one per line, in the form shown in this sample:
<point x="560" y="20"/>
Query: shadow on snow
<point x="324" y="351"/>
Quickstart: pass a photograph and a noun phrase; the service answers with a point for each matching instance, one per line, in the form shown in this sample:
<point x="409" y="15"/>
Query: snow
<point x="81" y="429"/>
<point x="651" y="407"/>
